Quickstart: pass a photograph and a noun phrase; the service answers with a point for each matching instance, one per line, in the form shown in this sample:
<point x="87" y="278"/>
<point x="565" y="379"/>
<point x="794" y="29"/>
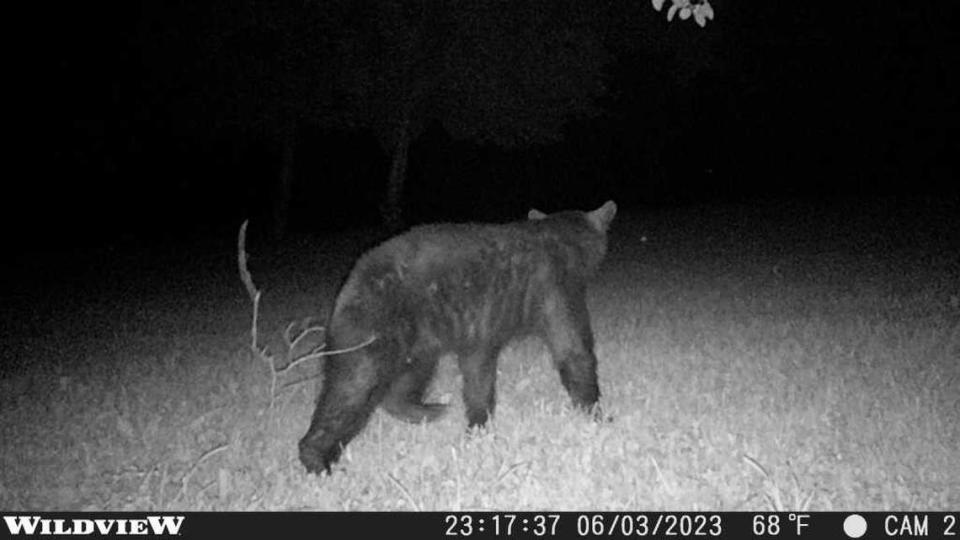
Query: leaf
<point x="702" y="12"/>
<point x="672" y="11"/>
<point x="707" y="10"/>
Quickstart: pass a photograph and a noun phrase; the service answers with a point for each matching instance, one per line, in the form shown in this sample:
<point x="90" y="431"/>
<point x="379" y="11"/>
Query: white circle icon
<point x="854" y="526"/>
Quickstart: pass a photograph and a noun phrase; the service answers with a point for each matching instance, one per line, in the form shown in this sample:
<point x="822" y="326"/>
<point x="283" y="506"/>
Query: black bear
<point x="465" y="289"/>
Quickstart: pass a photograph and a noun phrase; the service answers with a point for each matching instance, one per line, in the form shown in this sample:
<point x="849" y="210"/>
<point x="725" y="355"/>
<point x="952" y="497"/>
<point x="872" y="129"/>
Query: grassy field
<point x="771" y="358"/>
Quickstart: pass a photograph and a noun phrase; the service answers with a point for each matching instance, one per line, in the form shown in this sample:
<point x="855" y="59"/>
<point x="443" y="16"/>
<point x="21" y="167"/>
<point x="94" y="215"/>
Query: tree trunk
<point x="391" y="209"/>
<point x="284" y="186"/>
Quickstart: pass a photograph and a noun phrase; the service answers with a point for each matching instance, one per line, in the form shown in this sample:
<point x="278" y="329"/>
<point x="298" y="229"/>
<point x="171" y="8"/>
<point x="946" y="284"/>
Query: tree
<point x="268" y="69"/>
<point x="509" y="73"/>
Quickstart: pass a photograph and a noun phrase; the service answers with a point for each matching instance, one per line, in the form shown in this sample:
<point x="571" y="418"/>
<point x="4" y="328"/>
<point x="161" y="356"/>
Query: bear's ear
<point x="601" y="217"/>
<point x="535" y="215"/>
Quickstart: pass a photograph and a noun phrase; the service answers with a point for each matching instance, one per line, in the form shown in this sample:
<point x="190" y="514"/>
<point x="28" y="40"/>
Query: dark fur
<point x="462" y="289"/>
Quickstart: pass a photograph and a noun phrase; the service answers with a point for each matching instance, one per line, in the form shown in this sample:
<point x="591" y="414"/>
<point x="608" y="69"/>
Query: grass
<point x="745" y="367"/>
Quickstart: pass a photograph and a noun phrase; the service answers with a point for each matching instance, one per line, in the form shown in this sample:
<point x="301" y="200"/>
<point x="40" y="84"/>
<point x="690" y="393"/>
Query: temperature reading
<point x="766" y="525"/>
<point x="773" y="524"/>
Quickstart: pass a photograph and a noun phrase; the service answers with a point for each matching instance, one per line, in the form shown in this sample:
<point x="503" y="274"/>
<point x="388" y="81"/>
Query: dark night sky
<point x="805" y="100"/>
